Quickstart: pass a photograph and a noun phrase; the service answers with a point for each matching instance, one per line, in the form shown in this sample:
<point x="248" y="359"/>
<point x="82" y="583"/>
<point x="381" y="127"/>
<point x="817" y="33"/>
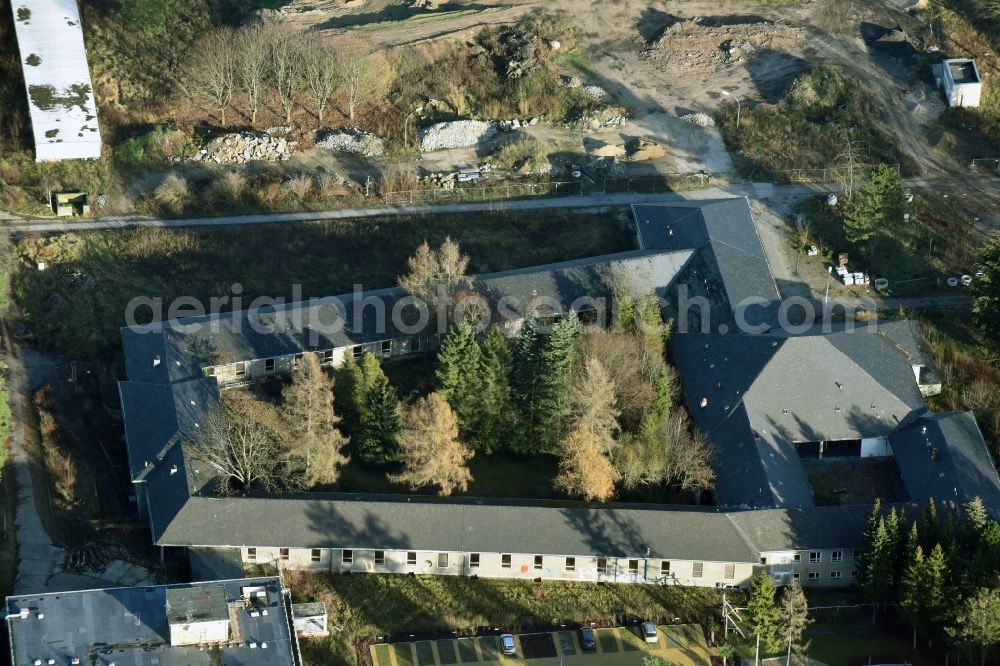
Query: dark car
<point x="587" y="641"/>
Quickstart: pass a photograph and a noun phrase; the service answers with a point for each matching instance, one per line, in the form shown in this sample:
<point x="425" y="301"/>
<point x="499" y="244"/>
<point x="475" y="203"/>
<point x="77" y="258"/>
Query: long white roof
<point x="57" y="79"/>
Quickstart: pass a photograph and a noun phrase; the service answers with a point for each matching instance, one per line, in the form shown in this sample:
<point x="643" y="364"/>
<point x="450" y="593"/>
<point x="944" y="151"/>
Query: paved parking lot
<point x="681" y="645"/>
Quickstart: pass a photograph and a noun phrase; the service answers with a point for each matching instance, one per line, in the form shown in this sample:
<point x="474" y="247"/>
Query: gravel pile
<point x="457" y="134"/>
<point x="699" y="119"/>
<point x="353" y="141"/>
<point x="596" y="93"/>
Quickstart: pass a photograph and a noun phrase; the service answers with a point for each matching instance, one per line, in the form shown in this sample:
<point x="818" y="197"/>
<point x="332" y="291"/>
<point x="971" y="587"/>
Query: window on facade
<point x="795" y="576"/>
<point x="857" y="554"/>
<point x="837" y="556"/>
<point x="328" y="355"/>
<point x="357" y="351"/>
<point x="505" y="561"/>
<point x="474" y="560"/>
<point x="697" y="569"/>
<point x="415" y="344"/>
<point x="729" y="572"/>
<point x="854" y="574"/>
<point x="316" y="555"/>
<point x="815" y="557"/>
<point x="386" y="347"/>
<point x="297" y="361"/>
<point x="251" y="554"/>
<point x="347" y="557"/>
<point x="538" y="562"/>
<point x="241" y="369"/>
<point x="664" y="568"/>
<point x="442" y="560"/>
<point x="411" y="559"/>
<point x="282" y="553"/>
<point x="835" y="575"/>
<point x="269" y="365"/>
<point x="602" y="565"/>
<point x="570" y="564"/>
<point x="763" y="560"/>
<point x="633" y="566"/>
<point x="379" y="558"/>
<point x="813" y="575"/>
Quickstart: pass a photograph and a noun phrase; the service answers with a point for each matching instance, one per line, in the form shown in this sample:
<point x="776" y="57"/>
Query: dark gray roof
<point x="132" y="621"/>
<point x="724" y="235"/>
<point x="944" y="456"/>
<point x="196" y="603"/>
<point x="458" y="525"/>
<point x="804" y="528"/>
<point x="766" y="392"/>
<point x="177" y="350"/>
<point x="215" y="563"/>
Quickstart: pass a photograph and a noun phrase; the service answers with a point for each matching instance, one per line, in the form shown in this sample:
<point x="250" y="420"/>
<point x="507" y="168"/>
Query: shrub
<point x="228" y="188"/>
<point x="528" y="155"/>
<point x="300" y="185"/>
<point x="146" y="17"/>
<point x="173" y="193"/>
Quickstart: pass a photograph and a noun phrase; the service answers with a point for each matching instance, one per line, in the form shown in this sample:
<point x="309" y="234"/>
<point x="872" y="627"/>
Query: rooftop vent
<point x="839" y="385"/>
<point x="173" y="469"/>
<point x="923" y="430"/>
<point x="704" y="401"/>
<point x="156" y="360"/>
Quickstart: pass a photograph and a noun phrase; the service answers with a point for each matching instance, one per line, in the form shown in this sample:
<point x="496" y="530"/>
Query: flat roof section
<point x="57" y="80"/>
<point x="963" y="71"/>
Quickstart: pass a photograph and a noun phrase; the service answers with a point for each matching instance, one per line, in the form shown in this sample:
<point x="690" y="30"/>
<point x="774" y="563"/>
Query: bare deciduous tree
<point x="357" y="77"/>
<point x="430" y="450"/>
<point x="285" y="56"/>
<point x="213" y="69"/>
<point x="242" y="445"/>
<point x="252" y="55"/>
<point x="313" y="440"/>
<point x="666" y="452"/>
<point x="319" y="73"/>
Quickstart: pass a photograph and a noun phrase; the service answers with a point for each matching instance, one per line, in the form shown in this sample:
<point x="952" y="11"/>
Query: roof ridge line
<point x="743" y="535"/>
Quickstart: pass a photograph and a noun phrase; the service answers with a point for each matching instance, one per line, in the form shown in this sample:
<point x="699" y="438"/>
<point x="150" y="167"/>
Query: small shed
<point x="310" y="619"/>
<point x="68" y="204"/>
<point x="960" y="80"/>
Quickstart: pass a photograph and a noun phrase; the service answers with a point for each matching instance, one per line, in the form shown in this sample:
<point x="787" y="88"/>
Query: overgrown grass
<point x="936" y="242"/>
<point x="807" y="129"/>
<point x="77" y="305"/>
<point x="389" y="605"/>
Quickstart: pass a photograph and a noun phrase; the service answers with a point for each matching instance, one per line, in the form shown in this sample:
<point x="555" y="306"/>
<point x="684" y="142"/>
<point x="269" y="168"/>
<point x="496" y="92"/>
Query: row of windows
<point x="815" y="575"/>
<point x="347" y="557"/>
<point x="384" y="349"/>
<point x="816" y="556"/>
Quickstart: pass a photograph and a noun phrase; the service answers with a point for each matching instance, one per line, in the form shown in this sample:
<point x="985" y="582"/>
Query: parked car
<point x="587" y="641"/>
<point x="507" y="644"/>
<point x="649" y="632"/>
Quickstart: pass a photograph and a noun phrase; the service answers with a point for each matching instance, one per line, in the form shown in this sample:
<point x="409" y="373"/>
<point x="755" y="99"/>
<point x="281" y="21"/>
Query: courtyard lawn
<point x="435" y="606"/>
<point x="77" y="304"/>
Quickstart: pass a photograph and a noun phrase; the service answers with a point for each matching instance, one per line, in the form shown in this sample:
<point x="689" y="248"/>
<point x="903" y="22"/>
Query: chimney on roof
<point x="704" y="401"/>
<point x="156" y="360"/>
<point x="173" y="470"/>
<point x="670" y="231"/>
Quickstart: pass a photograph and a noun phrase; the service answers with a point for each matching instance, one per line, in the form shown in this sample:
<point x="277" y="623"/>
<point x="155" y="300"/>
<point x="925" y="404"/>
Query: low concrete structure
<point x="960" y="80"/>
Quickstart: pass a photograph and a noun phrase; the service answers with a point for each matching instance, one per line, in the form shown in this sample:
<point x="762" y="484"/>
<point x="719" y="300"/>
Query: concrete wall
<point x="819" y="567"/>
<point x="519" y="566"/>
<point x="195" y="633"/>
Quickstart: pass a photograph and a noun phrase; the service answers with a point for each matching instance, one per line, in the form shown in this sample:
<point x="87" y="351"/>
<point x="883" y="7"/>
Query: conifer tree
<point x="794" y="619"/>
<point x="923" y="591"/>
<point x="929" y="526"/>
<point x="353" y="379"/>
<point x="458" y="374"/>
<point x="763" y="616"/>
<point x="430" y="450"/>
<point x="314" y="441"/>
<point x="496" y="418"/>
<point x="381" y="423"/>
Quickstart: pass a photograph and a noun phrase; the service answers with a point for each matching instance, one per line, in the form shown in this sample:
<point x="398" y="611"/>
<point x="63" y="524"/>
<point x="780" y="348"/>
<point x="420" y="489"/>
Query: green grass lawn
<point x="855" y="644"/>
<point x="392" y="605"/>
<point x="77" y="305"/>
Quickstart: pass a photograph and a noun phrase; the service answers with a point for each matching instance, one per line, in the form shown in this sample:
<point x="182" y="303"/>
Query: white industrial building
<point x="57" y="80"/>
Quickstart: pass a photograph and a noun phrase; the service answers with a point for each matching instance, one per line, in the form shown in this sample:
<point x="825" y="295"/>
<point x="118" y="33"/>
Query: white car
<point x="649" y="632"/>
<point x="507" y="644"/>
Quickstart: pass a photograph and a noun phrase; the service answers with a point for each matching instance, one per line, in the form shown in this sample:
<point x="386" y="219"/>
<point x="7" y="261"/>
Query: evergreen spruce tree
<point x="541" y="378"/>
<point x="458" y="374"/>
<point x="345" y="395"/>
<point x="929" y="526"/>
<point x="763" y="616"/>
<point x="794" y="619"/>
<point x="923" y="592"/>
<point x="381" y="423"/>
<point x="895" y="529"/>
<point x="496" y="418"/>
<point x="877" y="565"/>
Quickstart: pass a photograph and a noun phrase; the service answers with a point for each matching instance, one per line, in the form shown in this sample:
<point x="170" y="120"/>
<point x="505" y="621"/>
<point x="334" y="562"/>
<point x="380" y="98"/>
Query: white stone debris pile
<point x="353" y="141"/>
<point x="699" y="119"/>
<point x="244" y="147"/>
<point x="456" y="134"/>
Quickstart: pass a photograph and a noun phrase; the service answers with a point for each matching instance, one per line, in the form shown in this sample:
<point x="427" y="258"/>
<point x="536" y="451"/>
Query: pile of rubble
<point x="243" y="147"/>
<point x="689" y="47"/>
<point x="456" y="134"/>
<point x="602" y="118"/>
<point x="514" y="52"/>
<point x="447" y="180"/>
<point x="353" y="141"/>
<point x="699" y="119"/>
<point x="508" y="125"/>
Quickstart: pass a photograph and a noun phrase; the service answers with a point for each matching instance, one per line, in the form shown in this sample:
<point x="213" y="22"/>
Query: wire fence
<point x="983" y="165"/>
<point x="820" y="175"/>
<point x="662" y="183"/>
